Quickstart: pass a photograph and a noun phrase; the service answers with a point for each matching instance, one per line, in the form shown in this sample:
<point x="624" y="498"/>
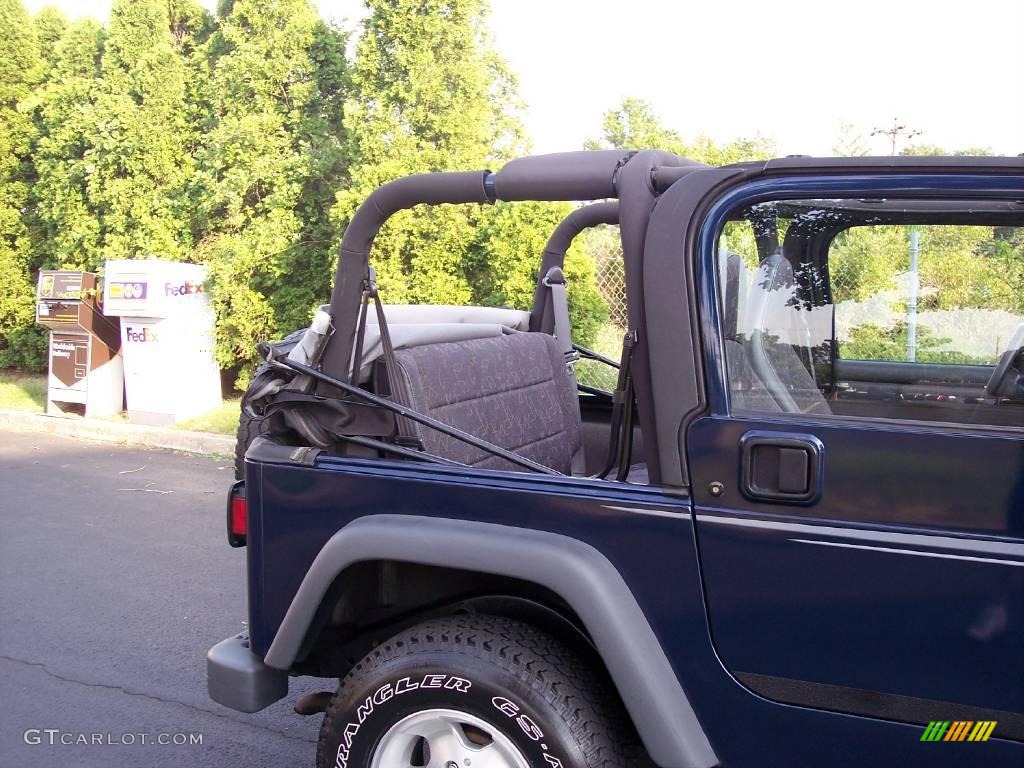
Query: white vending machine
<point x="167" y="339"/>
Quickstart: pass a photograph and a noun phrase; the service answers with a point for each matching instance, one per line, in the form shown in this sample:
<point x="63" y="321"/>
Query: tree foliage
<point x="634" y="125"/>
<point x="21" y="67"/>
<point x="430" y="94"/>
<point x="425" y="80"/>
<point x="246" y="140"/>
<point x="268" y="167"/>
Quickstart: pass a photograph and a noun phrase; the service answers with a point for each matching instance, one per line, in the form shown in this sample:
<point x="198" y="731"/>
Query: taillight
<point x="238" y="515"/>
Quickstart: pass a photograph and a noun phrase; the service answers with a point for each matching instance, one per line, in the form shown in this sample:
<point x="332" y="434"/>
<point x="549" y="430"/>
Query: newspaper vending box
<point x="85" y="372"/>
<point x="167" y="337"/>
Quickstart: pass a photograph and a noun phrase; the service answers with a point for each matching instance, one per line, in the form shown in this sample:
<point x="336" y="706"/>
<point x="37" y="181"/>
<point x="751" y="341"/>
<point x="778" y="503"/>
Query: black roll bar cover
<point x="354" y="252"/>
<point x="583" y="175"/>
<point x="570" y="227"/>
<point x="637" y="198"/>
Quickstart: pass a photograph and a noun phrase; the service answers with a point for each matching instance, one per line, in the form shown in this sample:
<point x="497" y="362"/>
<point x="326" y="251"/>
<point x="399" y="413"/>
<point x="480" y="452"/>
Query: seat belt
<point x="407" y="433"/>
<point x="555" y="282"/>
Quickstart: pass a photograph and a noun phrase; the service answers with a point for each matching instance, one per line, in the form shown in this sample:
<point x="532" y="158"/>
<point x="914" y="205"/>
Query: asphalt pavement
<point x="115" y="579"/>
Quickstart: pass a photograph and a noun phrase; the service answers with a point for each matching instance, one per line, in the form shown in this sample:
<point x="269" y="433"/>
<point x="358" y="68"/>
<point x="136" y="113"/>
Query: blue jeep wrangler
<point x="791" y="533"/>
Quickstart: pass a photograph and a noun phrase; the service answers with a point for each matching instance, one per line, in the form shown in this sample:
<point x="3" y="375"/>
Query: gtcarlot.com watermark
<point x="54" y="737"/>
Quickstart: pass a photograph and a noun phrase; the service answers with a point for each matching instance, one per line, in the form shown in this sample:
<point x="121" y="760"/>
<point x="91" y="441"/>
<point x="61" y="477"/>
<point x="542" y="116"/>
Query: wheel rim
<point x="446" y="738"/>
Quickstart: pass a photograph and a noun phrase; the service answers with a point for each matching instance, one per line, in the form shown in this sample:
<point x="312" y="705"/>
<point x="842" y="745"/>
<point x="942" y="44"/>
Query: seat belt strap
<point x="555" y="282"/>
<point x="407" y="433"/>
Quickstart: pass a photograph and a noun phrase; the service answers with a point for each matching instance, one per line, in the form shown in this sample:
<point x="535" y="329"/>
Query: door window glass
<point x="876" y="308"/>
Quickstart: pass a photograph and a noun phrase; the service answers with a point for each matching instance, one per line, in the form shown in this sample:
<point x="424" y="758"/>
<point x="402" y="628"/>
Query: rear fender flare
<point x="572" y="569"/>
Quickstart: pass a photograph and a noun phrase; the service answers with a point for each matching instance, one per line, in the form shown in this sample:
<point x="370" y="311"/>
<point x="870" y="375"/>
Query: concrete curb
<point x="122" y="434"/>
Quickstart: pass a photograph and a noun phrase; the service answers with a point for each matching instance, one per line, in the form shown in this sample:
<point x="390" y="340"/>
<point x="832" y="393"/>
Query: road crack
<point x="152" y="697"/>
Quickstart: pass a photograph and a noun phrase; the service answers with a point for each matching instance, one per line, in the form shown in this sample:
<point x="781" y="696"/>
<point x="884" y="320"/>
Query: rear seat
<point x="511" y="390"/>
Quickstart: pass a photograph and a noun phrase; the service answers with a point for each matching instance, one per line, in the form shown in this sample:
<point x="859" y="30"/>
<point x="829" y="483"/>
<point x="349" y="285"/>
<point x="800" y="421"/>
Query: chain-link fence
<point x="606" y="248"/>
<point x="603" y="245"/>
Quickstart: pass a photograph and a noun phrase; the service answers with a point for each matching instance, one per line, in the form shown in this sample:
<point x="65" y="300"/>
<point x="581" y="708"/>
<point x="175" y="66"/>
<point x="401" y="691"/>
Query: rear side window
<point x="876" y="309"/>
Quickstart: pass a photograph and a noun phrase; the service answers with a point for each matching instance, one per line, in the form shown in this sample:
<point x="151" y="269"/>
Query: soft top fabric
<point x="515" y="319"/>
<point x="415" y="325"/>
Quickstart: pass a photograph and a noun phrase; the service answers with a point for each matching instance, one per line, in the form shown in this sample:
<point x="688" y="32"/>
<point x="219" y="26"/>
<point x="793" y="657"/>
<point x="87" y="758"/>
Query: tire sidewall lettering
<point x="369" y="717"/>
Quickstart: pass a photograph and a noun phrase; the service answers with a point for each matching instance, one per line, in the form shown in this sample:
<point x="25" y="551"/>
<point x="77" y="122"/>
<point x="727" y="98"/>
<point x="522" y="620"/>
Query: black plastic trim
<point x="878" y="704"/>
<point x="783" y="440"/>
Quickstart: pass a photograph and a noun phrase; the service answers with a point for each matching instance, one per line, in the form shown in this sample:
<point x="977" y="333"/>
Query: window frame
<point x="961" y="186"/>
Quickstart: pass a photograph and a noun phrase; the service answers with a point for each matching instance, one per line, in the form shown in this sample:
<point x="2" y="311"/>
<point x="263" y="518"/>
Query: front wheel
<point x="474" y="692"/>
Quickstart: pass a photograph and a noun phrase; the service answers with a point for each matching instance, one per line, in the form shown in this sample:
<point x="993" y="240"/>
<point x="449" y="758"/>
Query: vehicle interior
<point x="505" y="377"/>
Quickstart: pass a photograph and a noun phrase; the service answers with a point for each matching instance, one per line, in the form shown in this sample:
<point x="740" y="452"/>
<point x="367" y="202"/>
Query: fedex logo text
<point x="185" y="289"/>
<point x="145" y="335"/>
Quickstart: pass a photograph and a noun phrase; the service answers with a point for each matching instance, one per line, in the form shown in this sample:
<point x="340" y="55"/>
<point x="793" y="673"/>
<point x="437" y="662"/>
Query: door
<point x="859" y="481"/>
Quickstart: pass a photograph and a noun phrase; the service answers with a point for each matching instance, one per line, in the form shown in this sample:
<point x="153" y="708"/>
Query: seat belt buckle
<point x="571" y="358"/>
<point x="370" y="281"/>
<point x="553" y="276"/>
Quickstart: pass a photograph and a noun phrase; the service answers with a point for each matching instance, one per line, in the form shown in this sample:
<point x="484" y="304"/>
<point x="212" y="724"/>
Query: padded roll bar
<point x="584" y="175"/>
<point x="354" y="253"/>
<point x="554" y="254"/>
<point x="638" y="195"/>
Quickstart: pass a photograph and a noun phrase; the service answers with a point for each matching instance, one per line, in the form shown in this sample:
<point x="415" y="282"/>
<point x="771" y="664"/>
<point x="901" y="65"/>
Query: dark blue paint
<point x="847" y="616"/>
<point x="300" y="508"/>
<point x="831" y="592"/>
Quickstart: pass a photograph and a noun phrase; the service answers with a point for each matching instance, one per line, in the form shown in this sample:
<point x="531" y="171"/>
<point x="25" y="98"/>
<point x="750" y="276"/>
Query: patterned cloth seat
<point x="512" y="390"/>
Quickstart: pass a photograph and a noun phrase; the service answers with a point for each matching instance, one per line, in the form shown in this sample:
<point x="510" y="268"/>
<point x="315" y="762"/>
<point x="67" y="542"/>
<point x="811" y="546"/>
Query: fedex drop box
<point x="167" y="338"/>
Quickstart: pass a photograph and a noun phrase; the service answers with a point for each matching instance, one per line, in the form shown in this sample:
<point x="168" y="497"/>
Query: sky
<point x="794" y="71"/>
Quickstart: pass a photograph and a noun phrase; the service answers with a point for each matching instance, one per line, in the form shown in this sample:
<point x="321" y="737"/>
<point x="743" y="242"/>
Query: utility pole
<point x="913" y="288"/>
<point x="895" y="132"/>
<point x="912" y="291"/>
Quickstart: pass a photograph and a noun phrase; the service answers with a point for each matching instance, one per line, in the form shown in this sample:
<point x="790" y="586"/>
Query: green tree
<point x="50" y="25"/>
<point x="431" y="94"/>
<point x="503" y="261"/>
<point x="850" y="142"/>
<point x="271" y="162"/>
<point x="68" y="217"/>
<point x="933" y="150"/>
<point x="20" y="69"/>
<point x="634" y="125"/>
<point x="141" y="163"/>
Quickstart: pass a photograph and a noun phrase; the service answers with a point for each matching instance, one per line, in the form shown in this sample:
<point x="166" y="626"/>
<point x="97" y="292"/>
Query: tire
<point x="249" y="428"/>
<point x="479" y="684"/>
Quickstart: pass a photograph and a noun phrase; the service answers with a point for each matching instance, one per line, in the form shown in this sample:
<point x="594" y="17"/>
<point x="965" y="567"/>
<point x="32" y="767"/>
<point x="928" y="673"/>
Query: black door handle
<point x="781" y="467"/>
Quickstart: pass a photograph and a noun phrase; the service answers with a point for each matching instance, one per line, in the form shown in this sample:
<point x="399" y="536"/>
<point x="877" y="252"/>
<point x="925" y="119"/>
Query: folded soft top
<point x="415" y="325"/>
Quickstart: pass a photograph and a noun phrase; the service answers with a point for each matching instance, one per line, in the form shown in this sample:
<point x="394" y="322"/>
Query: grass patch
<point x="27" y="392"/>
<point x="222" y="420"/>
<point x="22" y="391"/>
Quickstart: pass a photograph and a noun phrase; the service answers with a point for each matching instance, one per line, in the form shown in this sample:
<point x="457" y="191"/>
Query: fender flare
<point x="572" y="569"/>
